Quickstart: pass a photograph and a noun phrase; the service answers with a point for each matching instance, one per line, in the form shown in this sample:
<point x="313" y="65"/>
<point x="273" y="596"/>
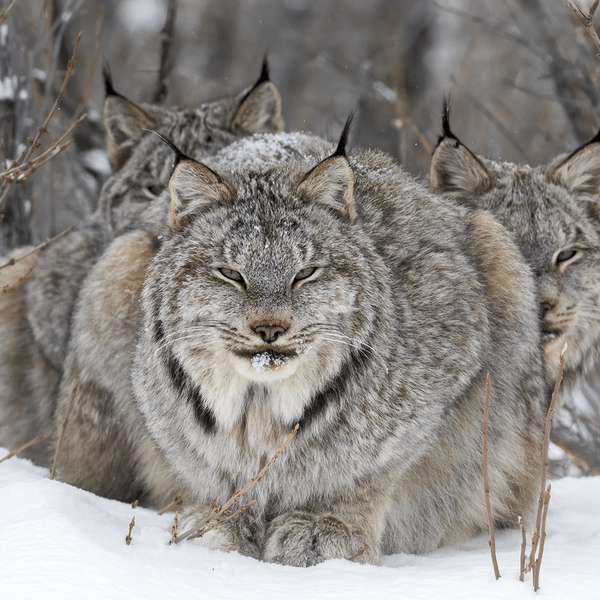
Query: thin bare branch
<point x="522" y="564"/>
<point x="62" y="431"/>
<point x="4" y="12"/>
<point x="174" y="528"/>
<point x="587" y="21"/>
<point x="538" y="562"/>
<point x="14" y="284"/>
<point x="359" y="553"/>
<point x="35" y="440"/>
<point x="538" y="520"/>
<point x="12" y="261"/>
<point x="175" y="503"/>
<point x="128" y="536"/>
<point x="486" y="483"/>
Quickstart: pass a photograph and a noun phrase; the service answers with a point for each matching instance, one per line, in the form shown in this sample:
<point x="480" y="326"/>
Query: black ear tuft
<point x="264" y="73"/>
<point x="108" y="84"/>
<point x="343" y="143"/>
<point x="179" y="155"/>
<point x="447" y="133"/>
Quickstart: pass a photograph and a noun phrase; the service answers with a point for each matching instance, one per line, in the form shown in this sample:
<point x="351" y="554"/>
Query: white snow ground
<point x="57" y="541"/>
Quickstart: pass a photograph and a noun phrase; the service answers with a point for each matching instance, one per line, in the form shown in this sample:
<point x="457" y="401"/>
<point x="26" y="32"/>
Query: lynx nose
<point x="269" y="333"/>
<point x="545" y="307"/>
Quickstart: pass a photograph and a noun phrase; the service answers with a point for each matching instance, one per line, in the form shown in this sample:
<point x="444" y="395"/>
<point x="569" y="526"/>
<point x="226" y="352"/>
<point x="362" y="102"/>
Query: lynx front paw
<point x="304" y="540"/>
<point x="243" y="533"/>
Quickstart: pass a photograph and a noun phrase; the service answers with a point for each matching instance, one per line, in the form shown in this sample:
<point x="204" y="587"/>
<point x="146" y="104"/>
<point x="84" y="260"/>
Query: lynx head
<point x="142" y="165"/>
<point x="265" y="290"/>
<point x="553" y="210"/>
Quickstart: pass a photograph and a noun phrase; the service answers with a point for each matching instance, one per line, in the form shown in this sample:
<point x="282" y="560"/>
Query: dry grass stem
<point x="215" y="512"/>
<point x="128" y="536"/>
<point x="175" y="503"/>
<point x="486" y="483"/>
<point x="360" y="552"/>
<point x="217" y="523"/>
<point x="62" y="430"/>
<point x="522" y="564"/>
<point x="174" y="528"/>
<point x="14" y="284"/>
<point x="49" y="241"/>
<point x="538" y="562"/>
<point x="35" y="440"/>
<point x="135" y="504"/>
<point x="588" y="21"/>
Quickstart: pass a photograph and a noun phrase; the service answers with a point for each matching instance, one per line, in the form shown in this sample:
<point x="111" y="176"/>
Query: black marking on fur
<point x="594" y="140"/>
<point x="159" y="332"/>
<point x="182" y="383"/>
<point x="335" y="391"/>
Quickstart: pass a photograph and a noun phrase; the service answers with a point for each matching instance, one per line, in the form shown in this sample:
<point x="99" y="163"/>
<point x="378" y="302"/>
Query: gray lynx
<point x="41" y="308"/>
<point x="553" y="210"/>
<point x="333" y="292"/>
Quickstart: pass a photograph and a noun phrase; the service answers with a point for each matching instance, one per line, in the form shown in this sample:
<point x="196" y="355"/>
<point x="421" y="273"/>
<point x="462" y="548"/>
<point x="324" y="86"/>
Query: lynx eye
<point x="564" y="255"/>
<point x="232" y="275"/>
<point x="305" y="274"/>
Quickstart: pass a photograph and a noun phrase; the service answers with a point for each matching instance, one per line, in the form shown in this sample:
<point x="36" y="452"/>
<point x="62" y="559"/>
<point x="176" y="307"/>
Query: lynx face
<point x="259" y="301"/>
<point x="552" y="211"/>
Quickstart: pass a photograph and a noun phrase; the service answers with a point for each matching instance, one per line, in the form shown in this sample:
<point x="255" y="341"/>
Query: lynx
<point x="333" y="292"/>
<point x="552" y="211"/>
<point x="141" y="164"/>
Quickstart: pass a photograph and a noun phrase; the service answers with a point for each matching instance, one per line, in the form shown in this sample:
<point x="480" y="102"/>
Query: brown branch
<point x="360" y="552"/>
<point x="522" y="564"/>
<point x="35" y="440"/>
<point x="14" y="284"/>
<point x="4" y="12"/>
<point x="128" y="536"/>
<point x="538" y="562"/>
<point x="542" y="498"/>
<point x="486" y="483"/>
<point x="166" y="60"/>
<point x="176" y="502"/>
<point x="49" y="241"/>
<point x="174" y="528"/>
<point x="215" y="513"/>
<point x="62" y="431"/>
<point x="587" y="21"/>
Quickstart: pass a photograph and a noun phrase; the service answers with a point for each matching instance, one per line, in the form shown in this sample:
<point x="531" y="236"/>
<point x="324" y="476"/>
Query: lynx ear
<point x="260" y="109"/>
<point x="125" y="122"/>
<point x="454" y="168"/>
<point x="331" y="182"/>
<point x="193" y="185"/>
<point x="580" y="171"/>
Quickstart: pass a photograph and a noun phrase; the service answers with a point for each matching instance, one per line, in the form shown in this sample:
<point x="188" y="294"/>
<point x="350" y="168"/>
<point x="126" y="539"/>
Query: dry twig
<point x="215" y="513"/>
<point x="14" y="284"/>
<point x="35" y="440"/>
<point x="486" y="483"/>
<point x="174" y="528"/>
<point x="360" y="552"/>
<point x="49" y="241"/>
<point x="128" y="536"/>
<point x="4" y="12"/>
<point x="62" y="431"/>
<point x="522" y="566"/>
<point x="176" y="502"/>
<point x="535" y="563"/>
<point x="166" y="59"/>
<point x="538" y="561"/>
<point x="587" y="21"/>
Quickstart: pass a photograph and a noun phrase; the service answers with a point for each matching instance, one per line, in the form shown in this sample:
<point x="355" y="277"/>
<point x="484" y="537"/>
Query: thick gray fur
<point x="142" y="168"/>
<point x="552" y="210"/>
<point x="335" y="293"/>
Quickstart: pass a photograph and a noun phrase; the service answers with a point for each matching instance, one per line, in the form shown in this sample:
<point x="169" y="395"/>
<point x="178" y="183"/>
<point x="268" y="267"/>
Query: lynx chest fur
<point x="346" y="298"/>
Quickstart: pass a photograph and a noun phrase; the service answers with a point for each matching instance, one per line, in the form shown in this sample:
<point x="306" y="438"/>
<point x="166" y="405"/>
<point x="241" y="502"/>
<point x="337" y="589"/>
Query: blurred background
<point x="523" y="76"/>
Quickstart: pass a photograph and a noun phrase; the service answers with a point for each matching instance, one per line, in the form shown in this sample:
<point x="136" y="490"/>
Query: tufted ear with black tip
<point x="124" y="122"/>
<point x="192" y="186"/>
<point x="580" y="171"/>
<point x="454" y="168"/>
<point x="331" y="182"/>
<point x="259" y="110"/>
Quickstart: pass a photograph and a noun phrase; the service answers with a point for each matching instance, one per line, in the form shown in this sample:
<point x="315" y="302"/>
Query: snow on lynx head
<point x="553" y="211"/>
